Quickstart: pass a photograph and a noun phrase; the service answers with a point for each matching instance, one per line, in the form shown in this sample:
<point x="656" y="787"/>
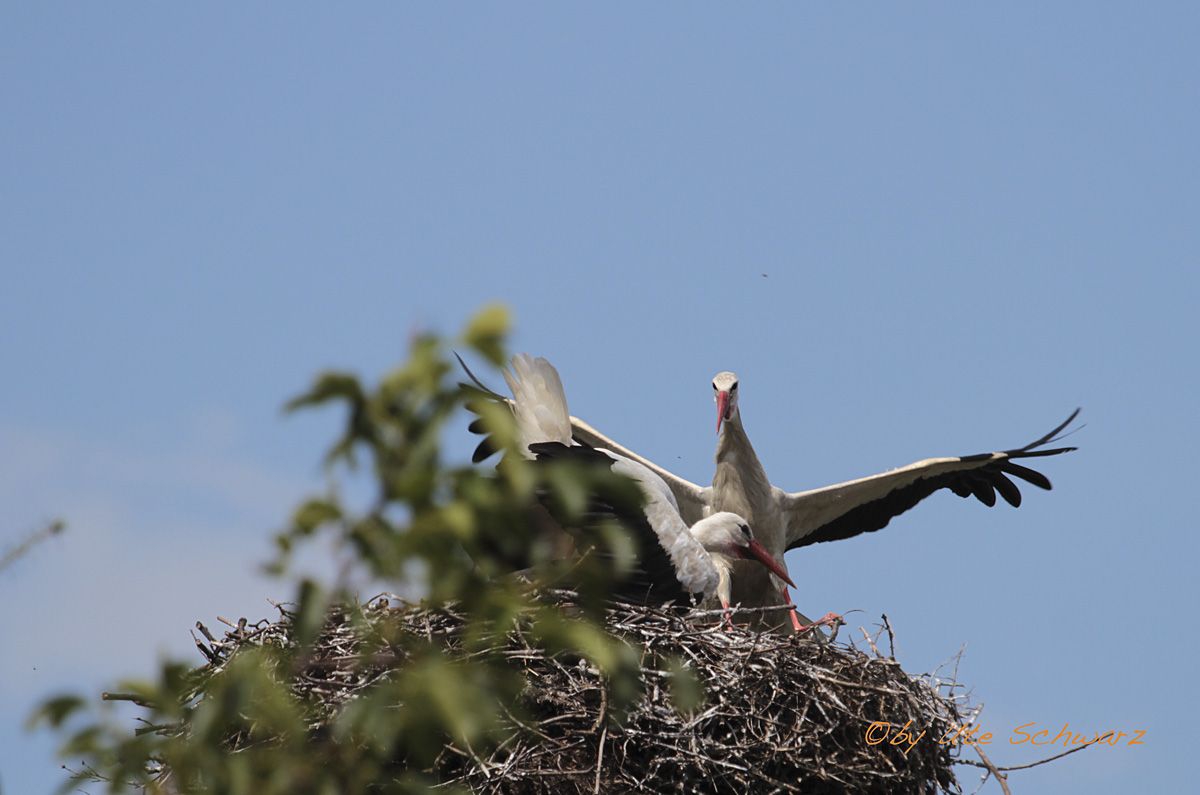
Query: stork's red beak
<point x="756" y="551"/>
<point x="722" y="407"/>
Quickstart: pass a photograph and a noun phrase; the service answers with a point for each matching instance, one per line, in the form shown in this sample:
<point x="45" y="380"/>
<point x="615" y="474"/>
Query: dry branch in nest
<point x="780" y="713"/>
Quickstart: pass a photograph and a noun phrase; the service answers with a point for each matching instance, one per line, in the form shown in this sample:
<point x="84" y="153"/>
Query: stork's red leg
<point x="728" y="616"/>
<point x="830" y="619"/>
<point x="787" y="598"/>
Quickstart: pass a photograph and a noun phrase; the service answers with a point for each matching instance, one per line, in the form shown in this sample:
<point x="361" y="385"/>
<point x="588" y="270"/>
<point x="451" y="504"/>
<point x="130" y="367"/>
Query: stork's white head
<point x="727" y="537"/>
<point x="725" y="386"/>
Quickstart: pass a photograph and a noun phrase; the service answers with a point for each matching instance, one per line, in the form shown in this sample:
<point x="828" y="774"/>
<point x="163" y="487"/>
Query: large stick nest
<point x="780" y="712"/>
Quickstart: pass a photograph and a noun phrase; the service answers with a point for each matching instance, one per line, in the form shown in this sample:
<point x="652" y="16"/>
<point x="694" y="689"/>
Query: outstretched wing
<point x="868" y="504"/>
<point x="693" y="501"/>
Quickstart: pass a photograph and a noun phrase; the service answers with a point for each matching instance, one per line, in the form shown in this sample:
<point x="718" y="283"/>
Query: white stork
<point x="676" y="560"/>
<point x="788" y="520"/>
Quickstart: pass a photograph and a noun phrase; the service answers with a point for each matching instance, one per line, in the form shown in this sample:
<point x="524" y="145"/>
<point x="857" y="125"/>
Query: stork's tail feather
<point x="539" y="402"/>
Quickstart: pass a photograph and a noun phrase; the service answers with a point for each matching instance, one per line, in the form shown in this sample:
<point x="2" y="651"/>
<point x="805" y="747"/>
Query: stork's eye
<point x="745" y="528"/>
<point x="734" y="387"/>
<point x="714" y="384"/>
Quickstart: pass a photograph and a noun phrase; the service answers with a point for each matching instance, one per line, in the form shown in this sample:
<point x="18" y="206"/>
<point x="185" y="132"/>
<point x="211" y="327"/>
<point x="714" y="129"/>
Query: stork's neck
<point x="734" y="443"/>
<point x="724" y="566"/>
<point x="740" y="483"/>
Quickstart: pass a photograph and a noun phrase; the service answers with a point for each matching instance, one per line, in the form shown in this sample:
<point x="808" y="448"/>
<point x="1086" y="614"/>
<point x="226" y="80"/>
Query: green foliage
<point x="454" y="533"/>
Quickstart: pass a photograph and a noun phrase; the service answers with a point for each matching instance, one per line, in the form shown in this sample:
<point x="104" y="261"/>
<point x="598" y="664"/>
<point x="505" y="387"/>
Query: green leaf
<point x="310" y="617"/>
<point x="568" y="490"/>
<point x="329" y="386"/>
<point x="85" y="741"/>
<point x="459" y="519"/>
<point x="55" y="711"/>
<point x="686" y="691"/>
<point x="621" y="545"/>
<point x="486" y="332"/>
<point x="314" y="513"/>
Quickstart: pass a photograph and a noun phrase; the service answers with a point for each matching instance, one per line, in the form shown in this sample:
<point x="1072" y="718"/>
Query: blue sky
<point x="911" y="231"/>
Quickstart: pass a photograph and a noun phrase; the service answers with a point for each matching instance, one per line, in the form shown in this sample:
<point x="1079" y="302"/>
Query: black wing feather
<point x="478" y="390"/>
<point x="982" y="482"/>
<point x="1008" y="490"/>
<point x="653" y="579"/>
<point x="1026" y="474"/>
<point x="483" y="451"/>
<point x="983" y="491"/>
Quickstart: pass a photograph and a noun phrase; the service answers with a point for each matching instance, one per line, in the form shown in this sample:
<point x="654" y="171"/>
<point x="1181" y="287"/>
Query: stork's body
<point x="676" y="560"/>
<point x="740" y="485"/>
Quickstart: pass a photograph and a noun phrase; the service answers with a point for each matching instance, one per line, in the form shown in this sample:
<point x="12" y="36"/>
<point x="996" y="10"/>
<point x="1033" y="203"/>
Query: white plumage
<point x="702" y="555"/>
<point x="539" y="402"/>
